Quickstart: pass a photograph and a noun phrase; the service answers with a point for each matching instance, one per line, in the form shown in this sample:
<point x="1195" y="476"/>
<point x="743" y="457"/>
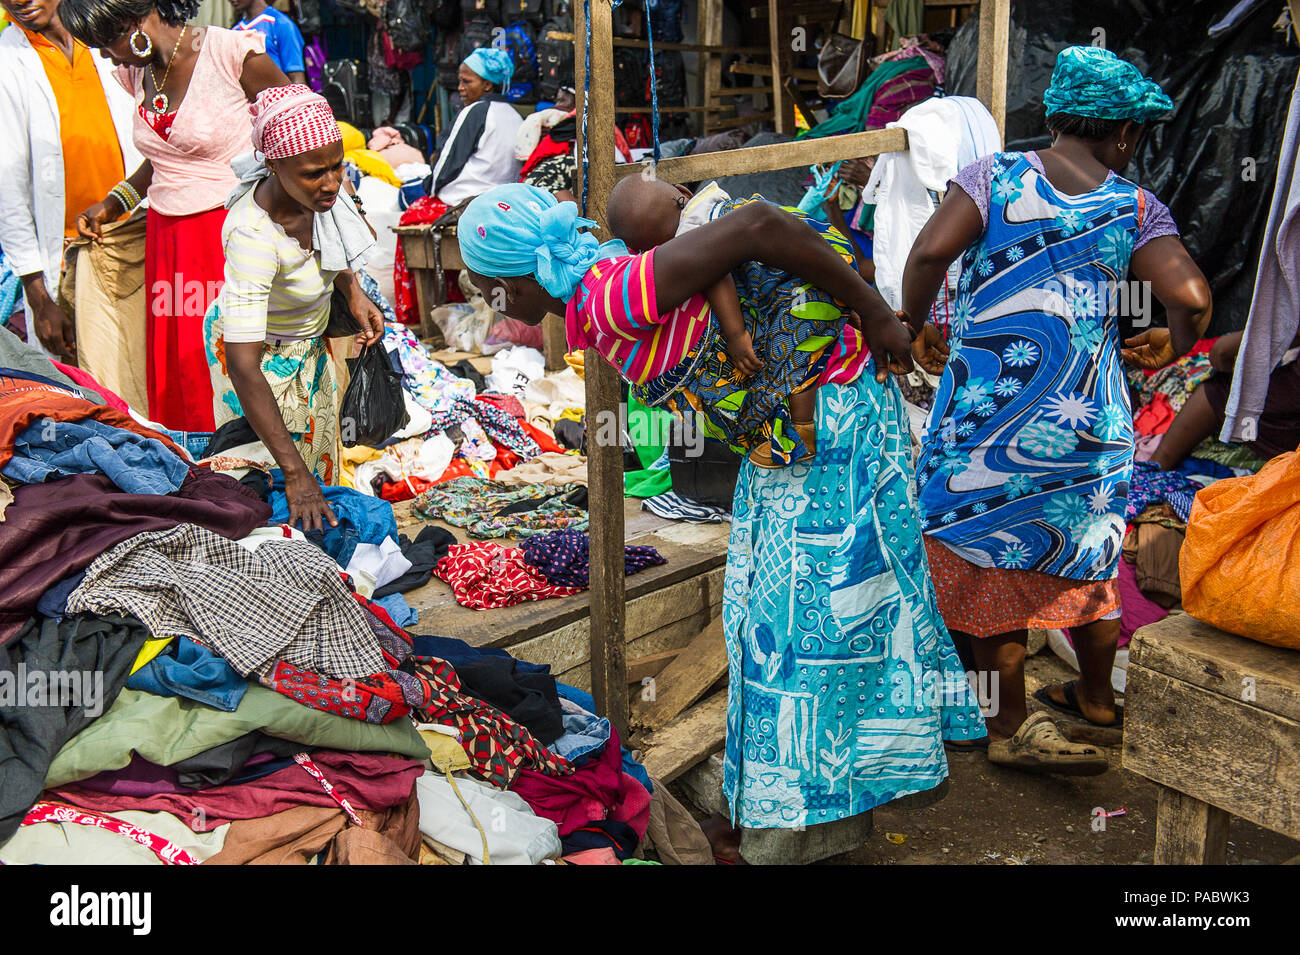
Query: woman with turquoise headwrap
<point x="843" y="681"/>
<point x="479" y="151"/>
<point x="1028" y="453"/>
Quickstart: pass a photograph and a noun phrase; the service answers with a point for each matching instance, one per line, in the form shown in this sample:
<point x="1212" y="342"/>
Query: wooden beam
<point x="782" y="107"/>
<point x="715" y="108"/>
<point x="1188" y="831"/>
<point x="690" y="739"/>
<point x="604" y="461"/>
<point x="764" y="69"/>
<point x="707" y="47"/>
<point x="734" y="121"/>
<point x="652" y="665"/>
<point x="683" y="681"/>
<point x="804" y="152"/>
<point x="710" y="64"/>
<point x="991" y="67"/>
<point x="554" y="342"/>
<point x="729" y="92"/>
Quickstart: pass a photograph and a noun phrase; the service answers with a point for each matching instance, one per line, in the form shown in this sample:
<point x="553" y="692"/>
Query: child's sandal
<point x="808" y="434"/>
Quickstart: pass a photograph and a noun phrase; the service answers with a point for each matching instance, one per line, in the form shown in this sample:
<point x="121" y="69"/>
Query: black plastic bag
<point x="373" y="409"/>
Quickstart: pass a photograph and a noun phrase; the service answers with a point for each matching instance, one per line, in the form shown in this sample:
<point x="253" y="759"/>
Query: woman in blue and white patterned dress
<point x="1028" y="451"/>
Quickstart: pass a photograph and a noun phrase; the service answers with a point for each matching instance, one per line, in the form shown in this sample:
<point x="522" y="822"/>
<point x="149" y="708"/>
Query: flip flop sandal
<point x="1039" y="747"/>
<point x="980" y="745"/>
<point x="1071" y="706"/>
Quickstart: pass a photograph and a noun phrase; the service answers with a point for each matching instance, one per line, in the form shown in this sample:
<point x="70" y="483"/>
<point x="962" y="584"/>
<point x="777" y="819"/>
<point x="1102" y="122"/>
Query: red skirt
<point x="184" y="267"/>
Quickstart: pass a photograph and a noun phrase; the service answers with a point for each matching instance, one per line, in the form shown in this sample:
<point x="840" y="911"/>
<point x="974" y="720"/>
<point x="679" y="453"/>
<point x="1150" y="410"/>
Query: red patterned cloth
<point x="484" y="575"/>
<point x="423" y="210"/>
<point x="168" y="852"/>
<point x="292" y="120"/>
<point x="428" y="687"/>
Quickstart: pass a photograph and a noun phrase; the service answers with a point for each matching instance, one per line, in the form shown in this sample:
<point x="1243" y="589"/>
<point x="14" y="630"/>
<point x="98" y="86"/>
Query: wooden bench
<point x="1214" y="720"/>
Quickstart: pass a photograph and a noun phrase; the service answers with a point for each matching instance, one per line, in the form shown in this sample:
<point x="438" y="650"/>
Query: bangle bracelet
<point x="125" y="193"/>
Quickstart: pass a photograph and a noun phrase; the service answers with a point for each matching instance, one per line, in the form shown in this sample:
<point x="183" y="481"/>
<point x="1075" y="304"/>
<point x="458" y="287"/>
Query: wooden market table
<point x="1214" y="720"/>
<point x="430" y="254"/>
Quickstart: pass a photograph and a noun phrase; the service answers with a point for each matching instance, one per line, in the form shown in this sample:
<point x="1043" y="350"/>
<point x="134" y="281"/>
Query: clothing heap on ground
<point x="184" y="678"/>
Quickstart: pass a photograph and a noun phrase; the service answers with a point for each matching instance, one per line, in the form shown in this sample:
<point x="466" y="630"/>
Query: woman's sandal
<point x="980" y="745"/>
<point x="1039" y="747"/>
<point x="1071" y="705"/>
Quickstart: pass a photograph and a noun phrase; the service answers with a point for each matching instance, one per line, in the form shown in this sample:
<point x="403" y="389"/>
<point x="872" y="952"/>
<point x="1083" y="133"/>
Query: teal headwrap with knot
<point x="515" y="230"/>
<point x="493" y="64"/>
<point x="1092" y="82"/>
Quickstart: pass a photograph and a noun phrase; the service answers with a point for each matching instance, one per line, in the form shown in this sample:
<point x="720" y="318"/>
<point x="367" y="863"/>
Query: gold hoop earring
<point x="148" y="43"/>
<point x="1123" y="146"/>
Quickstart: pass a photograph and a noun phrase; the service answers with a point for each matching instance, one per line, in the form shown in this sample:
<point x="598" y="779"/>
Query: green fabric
<point x="166" y="730"/>
<point x="647" y="427"/>
<point x="905" y="18"/>
<point x="850" y="116"/>
<point x="1229" y="455"/>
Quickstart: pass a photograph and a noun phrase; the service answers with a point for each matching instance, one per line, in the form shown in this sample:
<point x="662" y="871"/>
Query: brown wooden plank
<point x="1187" y="649"/>
<point x="604" y="460"/>
<point x="1188" y="831"/>
<point x="683" y="681"/>
<point x="1221" y="751"/>
<point x="764" y="69"/>
<point x="991" y="67"/>
<point x="642" y="667"/>
<point x="705" y="47"/>
<point x="804" y="152"/>
<point x="688" y="740"/>
<point x="675" y="636"/>
<point x="709" y="30"/>
<point x="554" y="342"/>
<point x="782" y="107"/>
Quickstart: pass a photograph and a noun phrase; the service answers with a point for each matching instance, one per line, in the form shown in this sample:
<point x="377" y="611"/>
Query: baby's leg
<point x="803" y="405"/>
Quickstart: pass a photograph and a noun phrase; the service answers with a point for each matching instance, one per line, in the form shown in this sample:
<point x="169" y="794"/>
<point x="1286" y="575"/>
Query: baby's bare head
<point x="645" y="213"/>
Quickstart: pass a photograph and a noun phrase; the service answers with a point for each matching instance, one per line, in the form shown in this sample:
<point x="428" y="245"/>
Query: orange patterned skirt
<point x="987" y="601"/>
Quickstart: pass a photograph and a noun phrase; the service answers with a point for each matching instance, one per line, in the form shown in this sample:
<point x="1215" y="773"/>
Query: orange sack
<point x="1240" y="564"/>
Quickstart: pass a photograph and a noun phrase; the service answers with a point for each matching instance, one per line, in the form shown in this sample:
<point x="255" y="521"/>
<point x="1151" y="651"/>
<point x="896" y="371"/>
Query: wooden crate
<point x="1214" y="720"/>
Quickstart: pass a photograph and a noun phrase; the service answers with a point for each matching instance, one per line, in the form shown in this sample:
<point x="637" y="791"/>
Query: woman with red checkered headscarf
<point x="292" y="236"/>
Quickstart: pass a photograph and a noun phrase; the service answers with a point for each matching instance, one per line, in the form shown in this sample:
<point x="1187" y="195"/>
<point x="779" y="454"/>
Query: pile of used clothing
<point x="186" y="679"/>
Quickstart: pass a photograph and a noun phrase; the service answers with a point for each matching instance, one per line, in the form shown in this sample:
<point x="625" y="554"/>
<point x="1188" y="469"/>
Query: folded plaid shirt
<point x="283" y="602"/>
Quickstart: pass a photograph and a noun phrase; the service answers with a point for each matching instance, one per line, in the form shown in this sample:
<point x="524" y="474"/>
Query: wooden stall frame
<point x="605" y="464"/>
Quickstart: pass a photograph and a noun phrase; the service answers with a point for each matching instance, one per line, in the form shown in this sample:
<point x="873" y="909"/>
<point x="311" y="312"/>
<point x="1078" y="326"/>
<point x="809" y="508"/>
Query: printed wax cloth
<point x="479" y="505"/>
<point x="486" y="575"/>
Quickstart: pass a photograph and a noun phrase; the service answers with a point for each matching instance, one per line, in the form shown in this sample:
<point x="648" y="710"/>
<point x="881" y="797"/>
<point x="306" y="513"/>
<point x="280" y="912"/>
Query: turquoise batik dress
<point x="1029" y="446"/>
<point x="843" y="680"/>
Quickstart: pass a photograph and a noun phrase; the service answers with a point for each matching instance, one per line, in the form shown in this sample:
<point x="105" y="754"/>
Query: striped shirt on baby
<point x="614" y="311"/>
<point x="275" y="289"/>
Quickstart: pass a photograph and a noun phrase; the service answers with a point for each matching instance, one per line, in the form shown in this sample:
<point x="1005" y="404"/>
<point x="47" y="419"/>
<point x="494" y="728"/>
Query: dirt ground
<point x="996" y="816"/>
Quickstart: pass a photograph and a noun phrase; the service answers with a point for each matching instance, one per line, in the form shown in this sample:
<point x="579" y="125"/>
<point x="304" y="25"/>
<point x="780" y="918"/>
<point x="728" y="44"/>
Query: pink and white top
<point x="212" y="125"/>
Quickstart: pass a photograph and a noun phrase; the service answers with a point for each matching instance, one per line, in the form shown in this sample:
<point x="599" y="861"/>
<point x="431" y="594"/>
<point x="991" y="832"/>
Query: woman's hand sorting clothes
<point x="929" y="350"/>
<point x="741" y="352"/>
<point x="307" y="502"/>
<point x="1151" y="349"/>
<point x="90" y="224"/>
<point x="368" y="314"/>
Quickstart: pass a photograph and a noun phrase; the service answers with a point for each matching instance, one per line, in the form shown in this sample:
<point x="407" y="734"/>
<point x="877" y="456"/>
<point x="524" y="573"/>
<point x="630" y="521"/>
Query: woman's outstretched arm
<point x="692" y="263"/>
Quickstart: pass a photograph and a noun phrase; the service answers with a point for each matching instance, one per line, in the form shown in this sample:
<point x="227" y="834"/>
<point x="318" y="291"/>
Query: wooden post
<point x="554" y="342"/>
<point x="709" y="31"/>
<point x="782" y="105"/>
<point x="1188" y="831"/>
<point x="604" y="461"/>
<point x="991" y="68"/>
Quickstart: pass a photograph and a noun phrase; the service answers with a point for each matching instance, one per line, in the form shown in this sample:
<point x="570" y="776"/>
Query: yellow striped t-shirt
<point x="274" y="289"/>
